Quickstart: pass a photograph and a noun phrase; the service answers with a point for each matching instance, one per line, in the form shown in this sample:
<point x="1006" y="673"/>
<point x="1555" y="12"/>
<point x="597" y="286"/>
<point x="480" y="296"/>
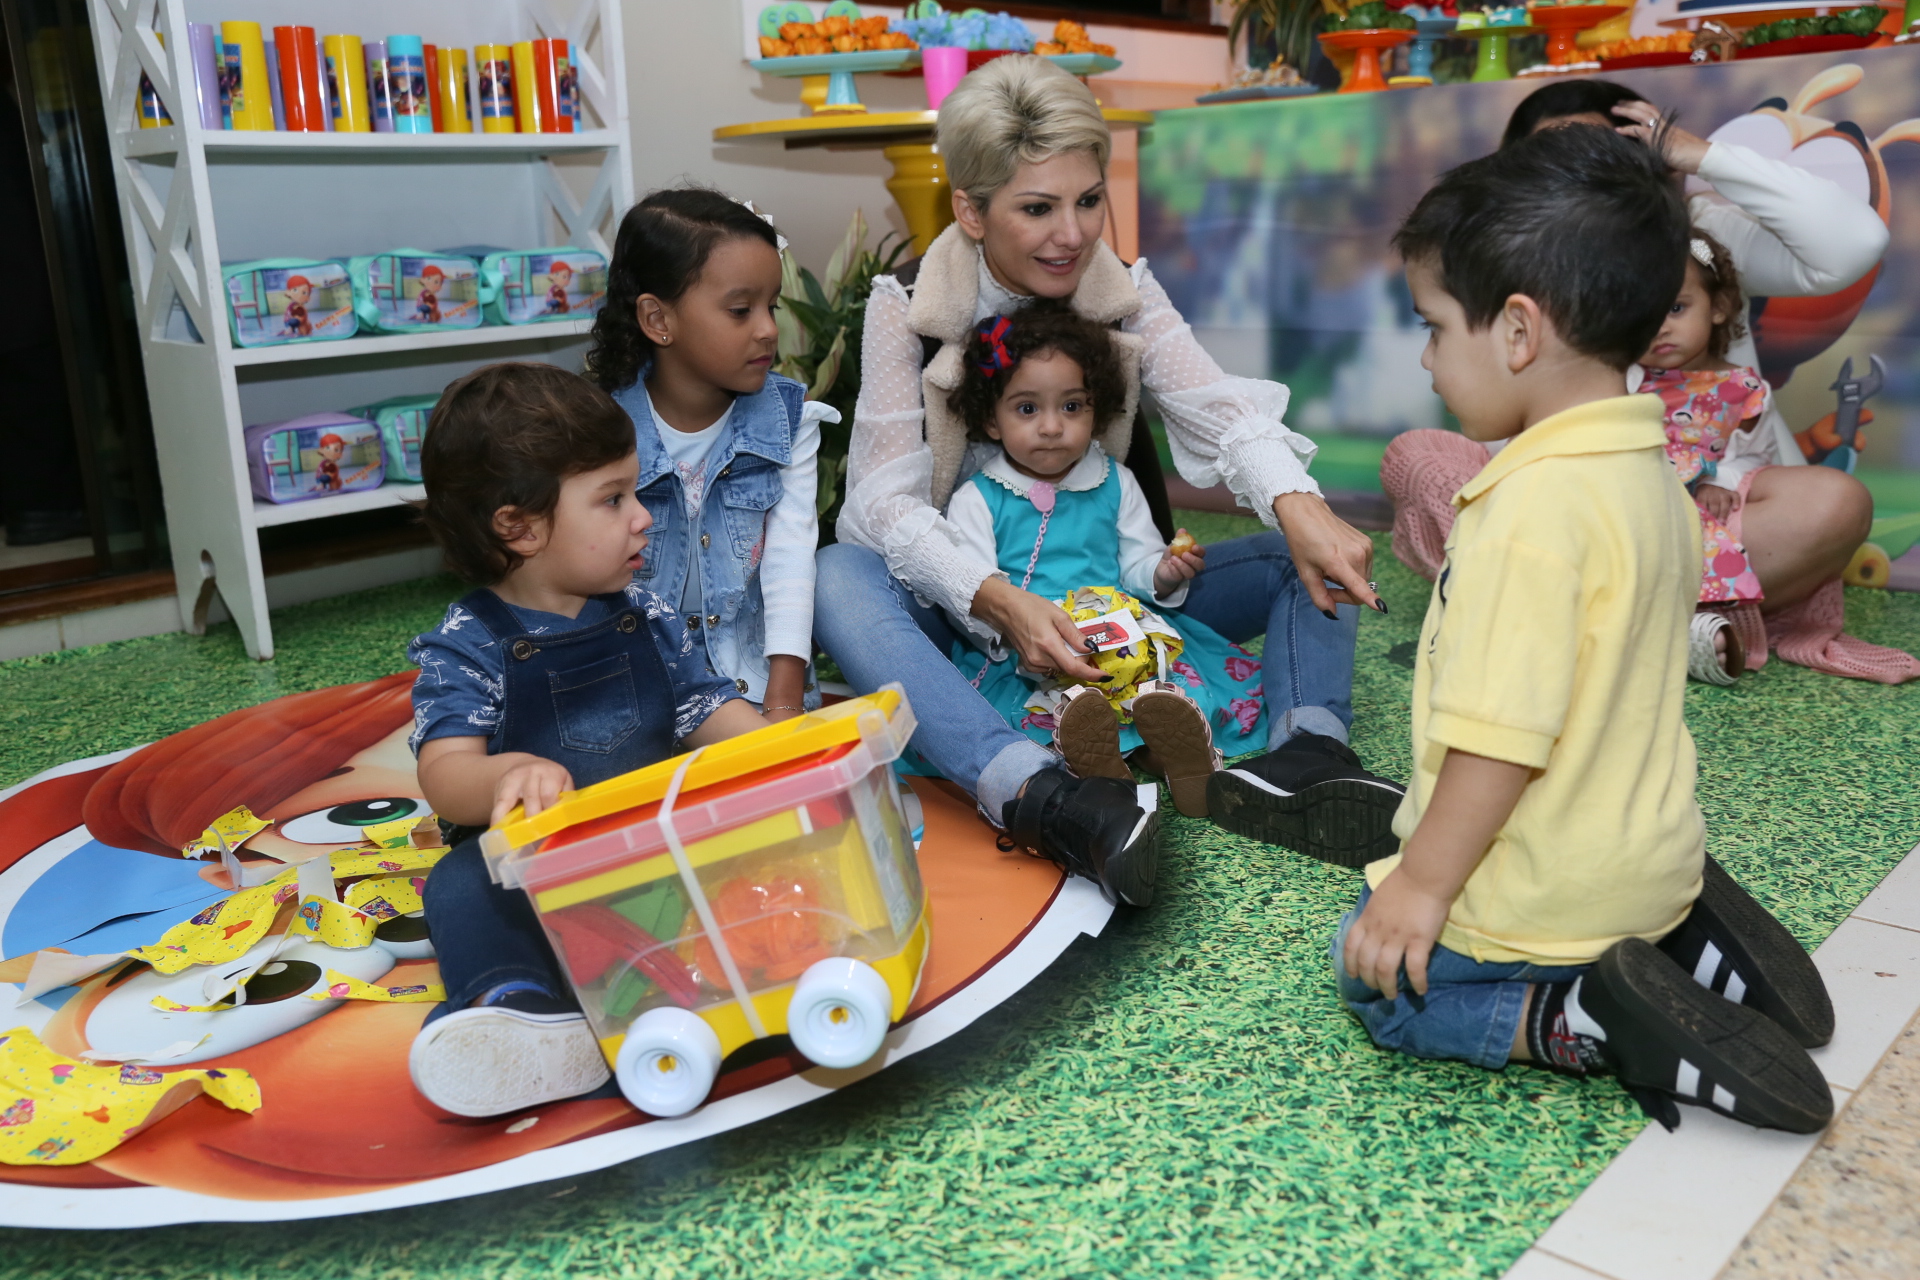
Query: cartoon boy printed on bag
<point x="326" y="472"/>
<point x="559" y="276"/>
<point x="426" y="303"/>
<point x="293" y="321"/>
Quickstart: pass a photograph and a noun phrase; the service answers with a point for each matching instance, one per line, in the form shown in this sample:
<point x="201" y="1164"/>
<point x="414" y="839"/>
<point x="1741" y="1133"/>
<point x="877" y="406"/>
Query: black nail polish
<point x="1381" y="605"/>
<point x="1331" y="615"/>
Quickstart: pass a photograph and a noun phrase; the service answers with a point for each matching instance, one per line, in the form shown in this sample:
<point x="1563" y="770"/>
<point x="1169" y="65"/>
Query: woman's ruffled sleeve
<point x="889" y="506"/>
<point x="1221" y="429"/>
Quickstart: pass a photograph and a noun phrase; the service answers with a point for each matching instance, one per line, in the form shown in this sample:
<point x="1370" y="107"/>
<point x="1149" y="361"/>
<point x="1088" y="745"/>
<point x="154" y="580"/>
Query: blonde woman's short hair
<point x="1016" y="110"/>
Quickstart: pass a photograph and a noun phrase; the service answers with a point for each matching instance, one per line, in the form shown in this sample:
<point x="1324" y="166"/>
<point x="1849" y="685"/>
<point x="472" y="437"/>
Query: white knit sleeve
<point x="972" y="524"/>
<point x="1222" y="429"/>
<point x="889" y="506"/>
<point x="1141" y="549"/>
<point x="793" y="535"/>
<point x="1791" y="232"/>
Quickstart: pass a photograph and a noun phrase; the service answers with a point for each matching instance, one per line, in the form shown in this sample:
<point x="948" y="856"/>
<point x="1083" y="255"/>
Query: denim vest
<point x="743" y="484"/>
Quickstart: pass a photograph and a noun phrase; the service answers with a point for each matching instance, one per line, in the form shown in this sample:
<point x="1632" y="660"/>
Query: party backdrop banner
<point x="1269" y="224"/>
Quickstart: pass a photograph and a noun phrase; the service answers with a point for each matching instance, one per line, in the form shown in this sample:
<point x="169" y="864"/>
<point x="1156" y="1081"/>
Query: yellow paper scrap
<point x="395" y="833"/>
<point x="58" y="1111"/>
<point x="342" y="987"/>
<point x="334" y="923"/>
<point x="361" y="862"/>
<point x="388" y="898"/>
<point x="224" y="931"/>
<point x="229" y="831"/>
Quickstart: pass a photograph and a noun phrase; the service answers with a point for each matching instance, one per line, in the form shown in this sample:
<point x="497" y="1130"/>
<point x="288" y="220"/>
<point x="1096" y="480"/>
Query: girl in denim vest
<point x="686" y="346"/>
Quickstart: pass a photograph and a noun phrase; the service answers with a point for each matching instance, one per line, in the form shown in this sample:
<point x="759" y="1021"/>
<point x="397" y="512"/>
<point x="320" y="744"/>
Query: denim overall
<point x="595" y="701"/>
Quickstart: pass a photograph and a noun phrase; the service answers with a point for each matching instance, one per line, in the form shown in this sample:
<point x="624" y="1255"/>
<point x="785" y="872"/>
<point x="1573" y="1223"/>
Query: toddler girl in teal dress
<point x="1062" y="519"/>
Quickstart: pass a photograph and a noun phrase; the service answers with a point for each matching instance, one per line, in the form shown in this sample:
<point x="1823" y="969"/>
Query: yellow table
<point x="919" y="181"/>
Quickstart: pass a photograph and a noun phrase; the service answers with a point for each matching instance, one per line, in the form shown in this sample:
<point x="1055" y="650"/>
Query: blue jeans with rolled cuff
<point x="1471" y="1010"/>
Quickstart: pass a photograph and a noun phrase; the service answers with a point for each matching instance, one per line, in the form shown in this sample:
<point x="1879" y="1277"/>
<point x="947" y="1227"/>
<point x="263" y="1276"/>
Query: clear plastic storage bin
<point x="763" y="885"/>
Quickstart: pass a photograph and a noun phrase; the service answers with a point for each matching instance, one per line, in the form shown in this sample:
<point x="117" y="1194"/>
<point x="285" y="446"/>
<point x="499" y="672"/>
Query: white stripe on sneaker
<point x="1707" y="966"/>
<point x="1686" y="1081"/>
<point x="1736" y="986"/>
<point x="1722" y="1099"/>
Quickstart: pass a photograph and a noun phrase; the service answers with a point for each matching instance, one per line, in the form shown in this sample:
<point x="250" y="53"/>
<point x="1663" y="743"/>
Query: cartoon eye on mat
<point x="346" y="823"/>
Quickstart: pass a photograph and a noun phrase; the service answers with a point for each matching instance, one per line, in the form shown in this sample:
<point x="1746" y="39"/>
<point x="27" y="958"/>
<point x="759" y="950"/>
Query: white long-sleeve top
<point x="793" y="535"/>
<point x="1221" y="429"/>
<point x="1792" y="234"/>
<point x="1141" y="548"/>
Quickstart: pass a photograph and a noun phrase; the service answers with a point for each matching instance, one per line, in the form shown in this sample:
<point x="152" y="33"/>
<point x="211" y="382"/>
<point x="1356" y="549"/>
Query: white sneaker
<point x="492" y="1060"/>
<point x="1703" y="664"/>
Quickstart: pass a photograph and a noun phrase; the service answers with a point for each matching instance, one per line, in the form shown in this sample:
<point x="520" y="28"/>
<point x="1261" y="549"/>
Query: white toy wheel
<point x="839" y="1012"/>
<point x="668" y="1062"/>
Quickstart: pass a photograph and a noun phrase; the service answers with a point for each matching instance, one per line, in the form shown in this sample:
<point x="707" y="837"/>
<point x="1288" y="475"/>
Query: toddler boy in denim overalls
<point x="558" y="673"/>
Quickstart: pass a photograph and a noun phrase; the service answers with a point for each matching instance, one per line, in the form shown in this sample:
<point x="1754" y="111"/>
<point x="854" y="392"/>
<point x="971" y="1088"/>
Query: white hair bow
<point x="1702" y="252"/>
<point x="782" y="240"/>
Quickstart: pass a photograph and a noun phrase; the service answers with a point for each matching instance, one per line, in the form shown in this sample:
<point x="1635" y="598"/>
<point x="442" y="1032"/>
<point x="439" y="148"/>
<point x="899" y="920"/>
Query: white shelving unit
<point x="191" y="198"/>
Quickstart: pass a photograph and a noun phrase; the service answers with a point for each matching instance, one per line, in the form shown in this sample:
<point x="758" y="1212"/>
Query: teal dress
<point x="1082" y="549"/>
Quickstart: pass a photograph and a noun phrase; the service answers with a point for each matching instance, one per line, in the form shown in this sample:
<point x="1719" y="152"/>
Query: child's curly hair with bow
<point x="997" y="346"/>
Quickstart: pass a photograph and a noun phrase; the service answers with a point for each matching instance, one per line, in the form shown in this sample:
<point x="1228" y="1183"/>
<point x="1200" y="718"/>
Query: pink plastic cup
<point x="944" y="69"/>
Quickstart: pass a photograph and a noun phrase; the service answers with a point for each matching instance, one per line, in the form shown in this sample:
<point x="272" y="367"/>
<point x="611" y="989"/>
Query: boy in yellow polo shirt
<point x="1551" y="836"/>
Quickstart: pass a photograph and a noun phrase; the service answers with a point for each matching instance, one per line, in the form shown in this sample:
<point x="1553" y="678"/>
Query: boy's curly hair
<point x="1722" y="285"/>
<point x="1045" y="325"/>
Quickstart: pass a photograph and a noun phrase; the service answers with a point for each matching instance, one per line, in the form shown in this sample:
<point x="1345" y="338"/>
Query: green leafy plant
<point x="821" y="319"/>
<point x="1291" y="24"/>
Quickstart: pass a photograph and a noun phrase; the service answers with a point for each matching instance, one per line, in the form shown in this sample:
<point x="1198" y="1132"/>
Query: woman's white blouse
<point x="1222" y="430"/>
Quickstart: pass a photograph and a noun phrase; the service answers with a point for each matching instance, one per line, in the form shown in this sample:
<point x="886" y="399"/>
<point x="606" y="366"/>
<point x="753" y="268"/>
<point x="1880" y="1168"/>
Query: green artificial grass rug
<point x="1182" y="1096"/>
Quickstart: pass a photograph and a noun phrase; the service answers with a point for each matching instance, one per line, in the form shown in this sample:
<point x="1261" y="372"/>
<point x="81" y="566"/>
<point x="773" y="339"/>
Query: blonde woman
<point x="1026" y="150"/>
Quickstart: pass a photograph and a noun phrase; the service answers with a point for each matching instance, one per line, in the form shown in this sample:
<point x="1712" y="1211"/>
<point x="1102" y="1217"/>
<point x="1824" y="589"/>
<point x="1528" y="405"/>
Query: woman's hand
<point x="1684" y="151"/>
<point x="1716" y="501"/>
<point x="1326" y="547"/>
<point x="1037" y="629"/>
<point x="1178" y="567"/>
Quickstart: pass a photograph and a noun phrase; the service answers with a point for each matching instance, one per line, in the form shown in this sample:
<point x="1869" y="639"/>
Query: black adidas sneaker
<point x="1311" y="795"/>
<point x="1668" y="1037"/>
<point x="1732" y="945"/>
<point x="1092" y="827"/>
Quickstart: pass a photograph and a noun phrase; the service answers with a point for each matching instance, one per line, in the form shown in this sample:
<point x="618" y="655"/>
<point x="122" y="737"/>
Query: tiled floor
<point x="1719" y="1199"/>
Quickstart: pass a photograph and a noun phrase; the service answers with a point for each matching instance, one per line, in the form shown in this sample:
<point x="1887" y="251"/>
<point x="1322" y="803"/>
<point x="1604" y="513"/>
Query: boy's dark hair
<point x="662" y="246"/>
<point x="1571" y="97"/>
<point x="506" y="436"/>
<point x="1722" y="284"/>
<point x="1044" y="325"/>
<point x="1587" y="222"/>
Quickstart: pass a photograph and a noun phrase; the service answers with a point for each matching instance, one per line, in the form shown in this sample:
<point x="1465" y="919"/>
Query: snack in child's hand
<point x="1182" y="543"/>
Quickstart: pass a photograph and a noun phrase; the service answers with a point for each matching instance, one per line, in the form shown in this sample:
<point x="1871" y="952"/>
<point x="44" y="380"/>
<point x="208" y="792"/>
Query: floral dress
<point x="1704" y="408"/>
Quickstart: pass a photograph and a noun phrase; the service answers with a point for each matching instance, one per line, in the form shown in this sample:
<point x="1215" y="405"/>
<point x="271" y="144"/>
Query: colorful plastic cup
<point x="944" y="69"/>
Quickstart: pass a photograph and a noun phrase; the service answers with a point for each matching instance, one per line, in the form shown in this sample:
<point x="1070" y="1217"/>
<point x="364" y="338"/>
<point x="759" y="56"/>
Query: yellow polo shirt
<point x="1556" y="638"/>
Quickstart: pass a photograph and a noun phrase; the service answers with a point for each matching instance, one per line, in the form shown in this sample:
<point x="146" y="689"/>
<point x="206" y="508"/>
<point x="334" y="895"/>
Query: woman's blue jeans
<point x="870" y="624"/>
<point x="1469" y="1014"/>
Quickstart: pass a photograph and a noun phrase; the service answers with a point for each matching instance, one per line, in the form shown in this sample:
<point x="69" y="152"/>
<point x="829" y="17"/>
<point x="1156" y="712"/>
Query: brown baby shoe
<point x="1182" y="743"/>
<point x="1087" y="732"/>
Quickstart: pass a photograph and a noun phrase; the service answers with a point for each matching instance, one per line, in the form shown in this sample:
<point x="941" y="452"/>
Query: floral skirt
<point x="1725" y="573"/>
<point x="1222" y="678"/>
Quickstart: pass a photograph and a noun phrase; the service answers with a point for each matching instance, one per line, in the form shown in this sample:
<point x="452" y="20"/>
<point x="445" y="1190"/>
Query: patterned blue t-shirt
<point x="462" y="677"/>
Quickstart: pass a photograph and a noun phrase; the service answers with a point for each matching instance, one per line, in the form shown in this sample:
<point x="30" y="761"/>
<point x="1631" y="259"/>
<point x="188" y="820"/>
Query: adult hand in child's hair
<point x="1326" y="548"/>
<point x="537" y="784"/>
<point x="1400" y="925"/>
<point x="1184" y="559"/>
<point x="1684" y="151"/>
<point x="1717" y="502"/>
<point x="1047" y="640"/>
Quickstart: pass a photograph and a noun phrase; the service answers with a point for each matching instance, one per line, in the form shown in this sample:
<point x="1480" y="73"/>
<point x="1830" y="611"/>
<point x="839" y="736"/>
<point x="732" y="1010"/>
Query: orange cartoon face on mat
<point x="1790" y="331"/>
<point x="323" y="766"/>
